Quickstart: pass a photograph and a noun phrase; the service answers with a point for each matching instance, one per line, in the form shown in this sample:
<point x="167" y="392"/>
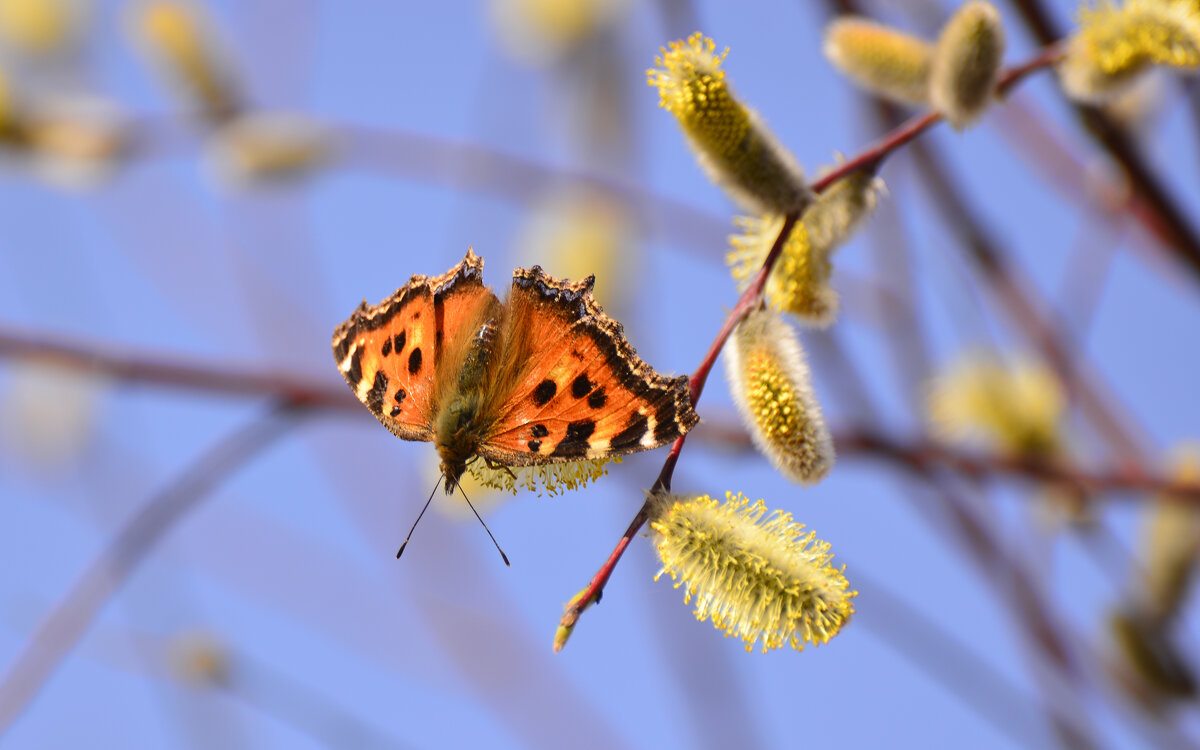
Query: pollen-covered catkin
<point x="966" y="63"/>
<point x="732" y="144"/>
<point x="1115" y="44"/>
<point x="553" y="479"/>
<point x="764" y="580"/>
<point x="880" y="59"/>
<point x="771" y="386"/>
<point x="799" y="282"/>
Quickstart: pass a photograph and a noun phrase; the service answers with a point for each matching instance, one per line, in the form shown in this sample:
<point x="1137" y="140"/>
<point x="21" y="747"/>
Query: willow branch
<point x="922" y="454"/>
<point x="868" y="160"/>
<point x="69" y="620"/>
<point x="181" y="374"/>
<point x="1156" y="210"/>
<point x="315" y="393"/>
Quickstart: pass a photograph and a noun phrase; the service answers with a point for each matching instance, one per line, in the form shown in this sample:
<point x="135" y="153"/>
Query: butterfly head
<point x="452" y="472"/>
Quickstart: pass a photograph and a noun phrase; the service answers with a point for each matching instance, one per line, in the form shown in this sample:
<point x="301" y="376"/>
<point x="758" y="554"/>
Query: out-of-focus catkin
<point x="1171" y="544"/>
<point x="880" y="59"/>
<point x="176" y="36"/>
<point x="966" y="63"/>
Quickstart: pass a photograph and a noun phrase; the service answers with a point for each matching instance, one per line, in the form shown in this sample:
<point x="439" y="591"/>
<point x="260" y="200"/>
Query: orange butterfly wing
<point x="575" y="386"/>
<point x="391" y="353"/>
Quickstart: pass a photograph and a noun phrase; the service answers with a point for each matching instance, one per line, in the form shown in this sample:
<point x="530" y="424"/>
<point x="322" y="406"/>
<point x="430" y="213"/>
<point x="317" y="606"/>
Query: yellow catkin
<point x="252" y="149"/>
<point x="39" y="27"/>
<point x="177" y="37"/>
<point x="880" y="59"/>
<point x="576" y="232"/>
<point x="770" y="383"/>
<point x="543" y="31"/>
<point x="731" y="143"/>
<point x="1171" y="544"/>
<point x="1016" y="406"/>
<point x="553" y="479"/>
<point x="799" y="282"/>
<point x="77" y="141"/>
<point x="1115" y="44"/>
<point x="966" y="62"/>
<point x="757" y="576"/>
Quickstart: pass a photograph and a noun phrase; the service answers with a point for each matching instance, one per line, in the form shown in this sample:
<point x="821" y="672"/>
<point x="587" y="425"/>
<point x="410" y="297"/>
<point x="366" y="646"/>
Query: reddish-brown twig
<point x="160" y="371"/>
<point x="1155" y="208"/>
<point x="315" y="393"/>
<point x="868" y="160"/>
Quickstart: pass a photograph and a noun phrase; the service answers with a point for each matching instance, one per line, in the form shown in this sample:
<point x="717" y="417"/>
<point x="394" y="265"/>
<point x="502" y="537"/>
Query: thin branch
<point x="156" y="370"/>
<point x="202" y="377"/>
<point x="869" y="160"/>
<point x="1156" y="209"/>
<point x="1017" y="298"/>
<point x="921" y="454"/>
<point x="69" y="620"/>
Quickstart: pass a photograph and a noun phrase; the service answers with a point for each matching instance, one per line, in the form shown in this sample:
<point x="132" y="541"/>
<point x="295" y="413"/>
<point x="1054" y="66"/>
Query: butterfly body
<point x="461" y="420"/>
<point x="546" y="377"/>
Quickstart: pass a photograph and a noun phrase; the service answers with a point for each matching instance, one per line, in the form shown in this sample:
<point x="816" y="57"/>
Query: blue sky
<point x="289" y="564"/>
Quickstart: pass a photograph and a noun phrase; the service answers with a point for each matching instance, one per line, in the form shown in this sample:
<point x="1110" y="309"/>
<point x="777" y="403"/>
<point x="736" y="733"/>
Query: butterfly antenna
<point x="414" y="526"/>
<point x="485" y="528"/>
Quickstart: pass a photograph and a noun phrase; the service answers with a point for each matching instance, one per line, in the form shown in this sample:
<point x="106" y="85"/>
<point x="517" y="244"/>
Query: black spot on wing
<point x="378" y="391"/>
<point x="414" y="361"/>
<point x="398" y="341"/>
<point x="544" y="392"/>
<point x="534" y="445"/>
<point x="539" y="431"/>
<point x="401" y="394"/>
<point x="575" y="444"/>
<point x="581" y="386"/>
<point x="598" y="398"/>
<point x="354" y="374"/>
<point x="387" y="347"/>
<point x="630" y="438"/>
<point x="395" y="411"/>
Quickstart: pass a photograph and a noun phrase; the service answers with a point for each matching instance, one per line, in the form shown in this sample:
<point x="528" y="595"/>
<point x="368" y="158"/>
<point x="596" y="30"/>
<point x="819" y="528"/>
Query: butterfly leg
<point x="497" y="465"/>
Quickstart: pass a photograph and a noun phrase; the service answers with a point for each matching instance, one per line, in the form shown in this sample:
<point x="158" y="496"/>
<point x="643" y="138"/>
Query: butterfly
<point x="544" y="377"/>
